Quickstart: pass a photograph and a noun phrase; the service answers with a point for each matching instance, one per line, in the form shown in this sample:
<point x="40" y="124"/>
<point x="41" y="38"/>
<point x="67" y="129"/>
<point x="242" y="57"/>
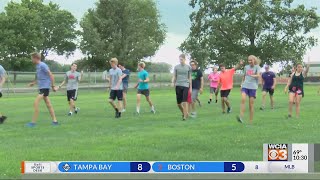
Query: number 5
<point x="234" y="167"/>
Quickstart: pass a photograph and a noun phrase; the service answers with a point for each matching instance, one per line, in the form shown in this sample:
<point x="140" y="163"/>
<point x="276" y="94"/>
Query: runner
<point x="214" y="82"/>
<point x="182" y="82"/>
<point x="295" y="87"/>
<point x="72" y="78"/>
<point x="116" y="87"/>
<point x="2" y="81"/>
<point x="250" y="82"/>
<point x="197" y="86"/>
<point x="268" y="84"/>
<point x="125" y="82"/>
<point x="226" y="85"/>
<point x="45" y="79"/>
<point x="143" y="87"/>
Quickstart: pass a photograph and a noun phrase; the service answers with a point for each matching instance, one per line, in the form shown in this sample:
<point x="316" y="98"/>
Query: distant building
<point x="314" y="70"/>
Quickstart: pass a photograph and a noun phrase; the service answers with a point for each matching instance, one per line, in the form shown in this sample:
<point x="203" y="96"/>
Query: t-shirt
<point x="268" y="79"/>
<point x="143" y="75"/>
<point x="115" y="75"/>
<point x="43" y="77"/>
<point x="72" y="79"/>
<point x="2" y="74"/>
<point x="214" y="79"/>
<point x="126" y="79"/>
<point x="226" y="79"/>
<point x="182" y="73"/>
<point x="196" y="76"/>
<point x="251" y="82"/>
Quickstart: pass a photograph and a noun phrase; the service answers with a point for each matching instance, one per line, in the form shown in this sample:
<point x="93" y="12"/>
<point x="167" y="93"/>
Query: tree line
<point x="222" y="31"/>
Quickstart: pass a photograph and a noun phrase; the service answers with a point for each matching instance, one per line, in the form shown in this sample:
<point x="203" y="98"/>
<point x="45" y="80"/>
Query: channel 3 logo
<point x="277" y="152"/>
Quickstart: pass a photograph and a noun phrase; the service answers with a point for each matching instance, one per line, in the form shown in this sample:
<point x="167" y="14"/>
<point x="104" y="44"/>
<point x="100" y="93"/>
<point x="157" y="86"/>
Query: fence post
<point x="95" y="76"/>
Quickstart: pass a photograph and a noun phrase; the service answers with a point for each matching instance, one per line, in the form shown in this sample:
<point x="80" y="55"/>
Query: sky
<point x="175" y="15"/>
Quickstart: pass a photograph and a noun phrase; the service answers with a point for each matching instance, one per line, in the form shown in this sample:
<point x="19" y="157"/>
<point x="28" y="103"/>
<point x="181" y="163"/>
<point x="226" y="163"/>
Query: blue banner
<point x="185" y="167"/>
<point x="94" y="167"/>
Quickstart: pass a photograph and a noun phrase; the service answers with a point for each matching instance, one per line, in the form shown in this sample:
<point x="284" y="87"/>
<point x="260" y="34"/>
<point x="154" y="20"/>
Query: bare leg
<point x="211" y="95"/>
<point x="226" y="101"/>
<point x="36" y="108"/>
<point x="263" y="105"/>
<point x="72" y="105"/>
<point x="291" y="101"/>
<point x="243" y="104"/>
<point x="185" y="109"/>
<point x="223" y="105"/>
<point x="124" y="100"/>
<point x="119" y="106"/>
<point x="149" y="101"/>
<point x="113" y="104"/>
<point x="251" y="107"/>
<point x="138" y="103"/>
<point x="272" y="101"/>
<point x="298" y="102"/>
<point x="50" y="108"/>
<point x="181" y="108"/>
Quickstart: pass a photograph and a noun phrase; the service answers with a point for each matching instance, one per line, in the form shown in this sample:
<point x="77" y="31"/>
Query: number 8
<point x="139" y="167"/>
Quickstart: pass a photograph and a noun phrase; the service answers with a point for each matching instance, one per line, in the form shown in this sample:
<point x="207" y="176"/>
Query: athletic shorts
<point x="145" y="92"/>
<point x="296" y="91"/>
<point x="249" y="92"/>
<point x="116" y="94"/>
<point x="225" y="93"/>
<point x="213" y="90"/>
<point x="268" y="90"/>
<point x="44" y="92"/>
<point x="125" y="87"/>
<point x="182" y="94"/>
<point x="72" y="94"/>
<point x="195" y="94"/>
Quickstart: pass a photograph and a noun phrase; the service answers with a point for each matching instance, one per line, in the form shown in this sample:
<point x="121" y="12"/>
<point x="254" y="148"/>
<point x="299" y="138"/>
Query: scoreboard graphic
<point x="277" y="158"/>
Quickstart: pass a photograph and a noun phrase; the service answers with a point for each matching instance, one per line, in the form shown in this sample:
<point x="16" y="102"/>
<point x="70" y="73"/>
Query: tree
<point x="223" y="31"/>
<point x="160" y="67"/>
<point x="129" y="30"/>
<point x="34" y="26"/>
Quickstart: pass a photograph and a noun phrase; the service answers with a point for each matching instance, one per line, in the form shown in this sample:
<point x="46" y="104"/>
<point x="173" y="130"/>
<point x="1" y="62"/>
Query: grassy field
<point x="95" y="135"/>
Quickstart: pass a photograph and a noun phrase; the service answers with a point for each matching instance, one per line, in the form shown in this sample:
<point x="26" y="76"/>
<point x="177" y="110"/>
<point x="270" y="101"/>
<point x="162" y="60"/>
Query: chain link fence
<point x="17" y="82"/>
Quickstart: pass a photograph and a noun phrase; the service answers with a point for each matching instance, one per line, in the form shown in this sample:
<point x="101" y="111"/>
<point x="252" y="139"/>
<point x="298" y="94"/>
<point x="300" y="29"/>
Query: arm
<point x="3" y="80"/>
<point x="305" y="73"/>
<point x="119" y="80"/>
<point x="288" y="83"/>
<point x="63" y="82"/>
<point x="33" y="82"/>
<point x="81" y="76"/>
<point x="52" y="80"/>
<point x="238" y="66"/>
<point x="202" y="84"/>
<point x="174" y="78"/>
<point x="190" y="82"/>
<point x="274" y="82"/>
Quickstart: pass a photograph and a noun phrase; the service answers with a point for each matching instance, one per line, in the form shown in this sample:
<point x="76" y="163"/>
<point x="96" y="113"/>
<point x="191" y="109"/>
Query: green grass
<point x="94" y="134"/>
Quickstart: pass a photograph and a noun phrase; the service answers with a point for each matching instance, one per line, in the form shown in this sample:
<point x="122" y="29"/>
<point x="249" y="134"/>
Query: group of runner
<point x="187" y="80"/>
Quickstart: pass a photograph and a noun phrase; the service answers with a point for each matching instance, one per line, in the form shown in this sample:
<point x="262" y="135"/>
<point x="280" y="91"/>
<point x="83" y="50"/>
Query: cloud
<point x="169" y="52"/>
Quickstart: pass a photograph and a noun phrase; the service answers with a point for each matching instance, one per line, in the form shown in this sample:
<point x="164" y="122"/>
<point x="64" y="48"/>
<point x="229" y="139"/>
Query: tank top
<point x="297" y="82"/>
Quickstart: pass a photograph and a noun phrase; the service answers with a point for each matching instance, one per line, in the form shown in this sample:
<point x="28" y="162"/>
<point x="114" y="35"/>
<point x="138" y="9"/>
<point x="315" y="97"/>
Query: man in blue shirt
<point x="125" y="82"/>
<point x="2" y="81"/>
<point x="45" y="80"/>
<point x="143" y="87"/>
<point x="269" y="84"/>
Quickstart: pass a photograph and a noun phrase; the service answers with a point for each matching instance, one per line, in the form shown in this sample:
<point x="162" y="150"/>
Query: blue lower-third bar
<point x="185" y="167"/>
